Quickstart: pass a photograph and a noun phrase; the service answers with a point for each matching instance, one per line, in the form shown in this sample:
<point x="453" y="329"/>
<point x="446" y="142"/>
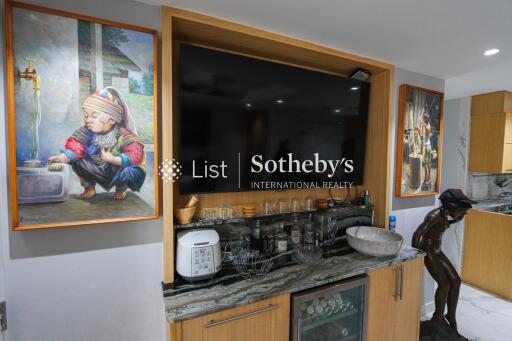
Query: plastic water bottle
<point x="392" y="223"/>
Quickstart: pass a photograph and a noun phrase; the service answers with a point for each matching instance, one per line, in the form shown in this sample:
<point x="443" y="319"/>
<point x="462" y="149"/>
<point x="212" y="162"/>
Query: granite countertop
<point x="494" y="204"/>
<point x="186" y="304"/>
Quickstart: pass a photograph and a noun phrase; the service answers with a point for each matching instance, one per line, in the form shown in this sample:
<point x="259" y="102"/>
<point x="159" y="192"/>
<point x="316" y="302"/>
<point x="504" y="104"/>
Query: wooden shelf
<point x="214" y="222"/>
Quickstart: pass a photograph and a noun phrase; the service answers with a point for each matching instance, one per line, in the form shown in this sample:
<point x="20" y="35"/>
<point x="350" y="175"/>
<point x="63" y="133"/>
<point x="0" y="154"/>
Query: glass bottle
<point x="309" y="236"/>
<point x="295" y="232"/>
<point x="320" y="225"/>
<point x="256" y="241"/>
<point x="281" y="239"/>
<point x="268" y="240"/>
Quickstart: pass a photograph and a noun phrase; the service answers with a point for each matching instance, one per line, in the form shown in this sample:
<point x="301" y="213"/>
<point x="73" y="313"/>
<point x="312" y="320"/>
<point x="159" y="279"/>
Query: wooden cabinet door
<point x="395" y="302"/>
<point x="267" y="320"/>
<point x="381" y="304"/>
<point x="486" y="143"/>
<point x="408" y="307"/>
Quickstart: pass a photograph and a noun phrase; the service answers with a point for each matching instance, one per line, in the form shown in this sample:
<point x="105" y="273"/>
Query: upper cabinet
<point x="491" y="133"/>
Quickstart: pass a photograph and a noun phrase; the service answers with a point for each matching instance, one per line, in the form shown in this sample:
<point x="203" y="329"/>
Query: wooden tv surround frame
<point x="183" y="26"/>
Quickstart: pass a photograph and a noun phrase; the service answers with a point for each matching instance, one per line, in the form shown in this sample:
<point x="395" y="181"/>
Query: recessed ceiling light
<point x="337" y="110"/>
<point x="279" y="101"/>
<point x="354" y="88"/>
<point x="248" y="105"/>
<point x="491" y="52"/>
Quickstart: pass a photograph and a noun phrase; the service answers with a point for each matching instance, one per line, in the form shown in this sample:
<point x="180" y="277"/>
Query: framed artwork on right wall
<point x="419" y="141"/>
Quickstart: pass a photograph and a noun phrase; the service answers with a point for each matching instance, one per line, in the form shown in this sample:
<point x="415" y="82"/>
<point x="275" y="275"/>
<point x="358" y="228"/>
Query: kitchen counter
<point x="185" y="302"/>
<point x="502" y="205"/>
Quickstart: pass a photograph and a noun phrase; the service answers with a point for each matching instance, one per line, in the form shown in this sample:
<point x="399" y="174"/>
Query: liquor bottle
<point x="320" y="226"/>
<point x="281" y="239"/>
<point x="309" y="236"/>
<point x="256" y="241"/>
<point x="268" y="240"/>
<point x="295" y="232"/>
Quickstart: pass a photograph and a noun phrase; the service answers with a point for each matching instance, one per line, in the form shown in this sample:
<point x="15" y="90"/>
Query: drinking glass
<point x="267" y="207"/>
<point x="296" y="206"/>
<point x="282" y="206"/>
<point x="209" y="213"/>
<point x="310" y="204"/>
<point x="206" y="213"/>
<point x="226" y="211"/>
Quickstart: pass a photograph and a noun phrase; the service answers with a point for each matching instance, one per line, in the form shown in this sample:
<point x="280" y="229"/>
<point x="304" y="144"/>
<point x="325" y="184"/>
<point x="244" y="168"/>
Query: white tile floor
<point x="482" y="317"/>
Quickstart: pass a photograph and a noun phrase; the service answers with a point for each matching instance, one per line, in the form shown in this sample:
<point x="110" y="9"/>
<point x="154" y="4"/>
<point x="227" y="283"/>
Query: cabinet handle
<point x="401" y="292"/>
<point x="256" y="312"/>
<point x="397" y="283"/>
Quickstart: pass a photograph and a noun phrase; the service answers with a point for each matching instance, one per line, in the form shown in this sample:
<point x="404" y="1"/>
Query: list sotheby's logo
<point x="290" y="165"/>
<point x="171" y="170"/>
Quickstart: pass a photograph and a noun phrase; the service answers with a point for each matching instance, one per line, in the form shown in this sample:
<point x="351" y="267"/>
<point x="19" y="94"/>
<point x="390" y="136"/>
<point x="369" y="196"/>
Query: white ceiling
<point x="442" y="38"/>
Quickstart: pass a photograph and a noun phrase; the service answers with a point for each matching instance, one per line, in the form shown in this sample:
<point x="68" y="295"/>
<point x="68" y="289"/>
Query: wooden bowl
<point x="321" y="203"/>
<point x="184" y="215"/>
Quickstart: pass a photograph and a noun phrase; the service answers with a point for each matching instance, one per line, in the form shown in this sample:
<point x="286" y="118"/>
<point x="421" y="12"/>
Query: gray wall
<point x="410" y="211"/>
<point x="492" y="78"/>
<point x="98" y="282"/>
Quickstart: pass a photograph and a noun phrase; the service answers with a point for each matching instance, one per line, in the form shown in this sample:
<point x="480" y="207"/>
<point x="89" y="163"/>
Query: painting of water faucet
<point x="30" y="74"/>
<point x="82" y="119"/>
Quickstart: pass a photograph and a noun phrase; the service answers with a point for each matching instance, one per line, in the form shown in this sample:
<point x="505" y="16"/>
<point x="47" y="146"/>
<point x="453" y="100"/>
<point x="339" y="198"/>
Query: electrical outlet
<point x="3" y="316"/>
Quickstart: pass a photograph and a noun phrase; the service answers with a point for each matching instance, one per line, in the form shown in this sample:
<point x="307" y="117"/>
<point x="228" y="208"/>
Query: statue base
<point x="436" y="331"/>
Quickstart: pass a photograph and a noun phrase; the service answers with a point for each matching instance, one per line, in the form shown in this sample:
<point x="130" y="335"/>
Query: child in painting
<point x="427" y="149"/>
<point x="106" y="150"/>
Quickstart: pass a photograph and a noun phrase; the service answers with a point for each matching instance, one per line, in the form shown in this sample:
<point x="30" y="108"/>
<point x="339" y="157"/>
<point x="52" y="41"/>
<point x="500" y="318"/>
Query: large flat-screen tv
<point x="245" y="121"/>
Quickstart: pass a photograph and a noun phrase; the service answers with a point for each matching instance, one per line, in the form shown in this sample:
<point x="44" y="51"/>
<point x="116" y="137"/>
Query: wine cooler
<point x="336" y="312"/>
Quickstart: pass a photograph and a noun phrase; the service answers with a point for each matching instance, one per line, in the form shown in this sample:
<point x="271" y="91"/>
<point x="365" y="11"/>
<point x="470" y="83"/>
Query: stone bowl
<point x="374" y="241"/>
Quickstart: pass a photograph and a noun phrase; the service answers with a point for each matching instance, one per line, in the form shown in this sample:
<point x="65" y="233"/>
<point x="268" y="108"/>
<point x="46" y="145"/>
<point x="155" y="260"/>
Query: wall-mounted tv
<point x="245" y="120"/>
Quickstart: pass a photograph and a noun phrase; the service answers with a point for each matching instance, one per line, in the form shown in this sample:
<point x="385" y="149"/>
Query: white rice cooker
<point x="198" y="254"/>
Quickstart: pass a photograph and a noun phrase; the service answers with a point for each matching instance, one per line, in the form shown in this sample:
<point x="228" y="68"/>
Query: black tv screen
<point x="247" y="124"/>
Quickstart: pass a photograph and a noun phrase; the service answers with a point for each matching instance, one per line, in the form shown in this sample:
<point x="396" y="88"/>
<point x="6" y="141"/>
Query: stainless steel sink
<point x="374" y="241"/>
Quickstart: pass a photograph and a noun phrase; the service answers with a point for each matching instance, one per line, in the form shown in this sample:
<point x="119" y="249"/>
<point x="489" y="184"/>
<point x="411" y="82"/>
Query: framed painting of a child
<point x="82" y="109"/>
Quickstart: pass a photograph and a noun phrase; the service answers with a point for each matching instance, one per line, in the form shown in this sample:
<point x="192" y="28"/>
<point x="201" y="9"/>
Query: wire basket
<point x="249" y="265"/>
<point x="307" y="254"/>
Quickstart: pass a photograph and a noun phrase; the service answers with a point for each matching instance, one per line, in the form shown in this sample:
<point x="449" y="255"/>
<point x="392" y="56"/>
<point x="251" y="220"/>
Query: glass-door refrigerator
<point x="336" y="312"/>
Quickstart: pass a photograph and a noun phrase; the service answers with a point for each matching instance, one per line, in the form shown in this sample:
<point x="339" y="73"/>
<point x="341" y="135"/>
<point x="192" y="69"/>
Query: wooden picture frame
<point x="133" y="83"/>
<point x="419" y="138"/>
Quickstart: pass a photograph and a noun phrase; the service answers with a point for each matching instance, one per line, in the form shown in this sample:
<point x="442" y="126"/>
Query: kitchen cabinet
<point x="491" y="133"/>
<point x="267" y="320"/>
<point x="393" y="314"/>
<point x="487" y="252"/>
<point x="395" y="302"/>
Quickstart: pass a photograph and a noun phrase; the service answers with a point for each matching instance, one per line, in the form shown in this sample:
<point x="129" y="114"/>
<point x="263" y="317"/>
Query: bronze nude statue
<point x="428" y="237"/>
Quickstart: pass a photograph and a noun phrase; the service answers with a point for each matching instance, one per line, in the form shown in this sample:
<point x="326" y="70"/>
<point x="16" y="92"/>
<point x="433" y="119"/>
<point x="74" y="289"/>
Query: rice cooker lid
<point x="198" y="238"/>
